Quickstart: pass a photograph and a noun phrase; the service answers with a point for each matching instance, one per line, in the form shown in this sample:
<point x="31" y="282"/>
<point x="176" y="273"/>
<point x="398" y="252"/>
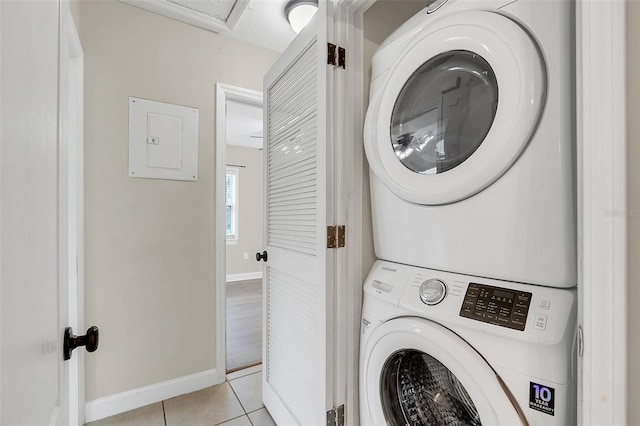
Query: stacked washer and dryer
<point x="469" y="317"/>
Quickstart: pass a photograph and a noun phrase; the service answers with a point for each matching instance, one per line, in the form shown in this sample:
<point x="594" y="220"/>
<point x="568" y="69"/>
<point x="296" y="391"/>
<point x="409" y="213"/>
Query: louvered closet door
<point x="298" y="280"/>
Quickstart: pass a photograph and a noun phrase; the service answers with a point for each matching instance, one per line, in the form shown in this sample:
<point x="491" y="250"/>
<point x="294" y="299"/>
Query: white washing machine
<point x="469" y="135"/>
<point x="445" y="349"/>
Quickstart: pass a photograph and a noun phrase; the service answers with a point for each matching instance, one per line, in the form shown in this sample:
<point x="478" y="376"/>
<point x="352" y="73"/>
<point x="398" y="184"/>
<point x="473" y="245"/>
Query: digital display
<point x="495" y="305"/>
<point x="505" y="294"/>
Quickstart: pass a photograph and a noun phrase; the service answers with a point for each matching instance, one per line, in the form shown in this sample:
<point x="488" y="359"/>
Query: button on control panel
<point x="541" y="322"/>
<point x="544" y="304"/>
<point x="495" y="305"/>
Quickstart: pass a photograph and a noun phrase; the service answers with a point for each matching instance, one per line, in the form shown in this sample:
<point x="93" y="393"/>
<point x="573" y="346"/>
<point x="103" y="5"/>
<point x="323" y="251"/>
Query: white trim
<point x="119" y="403"/>
<point x="243" y="277"/>
<point x="2" y="203"/>
<point x="192" y="17"/>
<point x="349" y="268"/>
<point x="224" y="92"/>
<point x="76" y="218"/>
<point x="602" y="192"/>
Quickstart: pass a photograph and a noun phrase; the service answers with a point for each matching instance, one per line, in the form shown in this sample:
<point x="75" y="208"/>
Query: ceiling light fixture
<point x="300" y="12"/>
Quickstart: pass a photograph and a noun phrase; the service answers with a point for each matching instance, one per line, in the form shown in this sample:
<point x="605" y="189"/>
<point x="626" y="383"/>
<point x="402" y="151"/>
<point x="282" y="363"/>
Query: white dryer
<point x="444" y="349"/>
<point x="469" y="135"/>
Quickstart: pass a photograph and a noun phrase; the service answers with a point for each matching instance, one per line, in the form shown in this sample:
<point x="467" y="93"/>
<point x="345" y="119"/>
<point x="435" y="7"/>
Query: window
<point x="231" y="203"/>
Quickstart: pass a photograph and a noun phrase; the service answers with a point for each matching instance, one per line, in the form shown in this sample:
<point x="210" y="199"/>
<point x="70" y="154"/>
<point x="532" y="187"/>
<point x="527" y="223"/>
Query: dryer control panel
<point x="496" y="305"/>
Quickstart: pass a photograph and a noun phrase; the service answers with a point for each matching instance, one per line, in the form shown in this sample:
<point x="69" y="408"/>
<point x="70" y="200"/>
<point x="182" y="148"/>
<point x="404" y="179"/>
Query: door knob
<point x="90" y="340"/>
<point x="262" y="256"/>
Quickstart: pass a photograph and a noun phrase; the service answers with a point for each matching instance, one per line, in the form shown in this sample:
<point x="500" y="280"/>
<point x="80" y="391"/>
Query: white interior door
<point x="298" y="275"/>
<point x="33" y="207"/>
<point x="75" y="216"/>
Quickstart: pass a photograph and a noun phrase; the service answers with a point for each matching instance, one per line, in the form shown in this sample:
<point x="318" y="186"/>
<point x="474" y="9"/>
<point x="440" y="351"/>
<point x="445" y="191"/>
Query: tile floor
<point x="236" y="402"/>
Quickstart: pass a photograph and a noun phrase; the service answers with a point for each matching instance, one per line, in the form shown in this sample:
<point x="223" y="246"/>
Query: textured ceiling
<point x="261" y="22"/>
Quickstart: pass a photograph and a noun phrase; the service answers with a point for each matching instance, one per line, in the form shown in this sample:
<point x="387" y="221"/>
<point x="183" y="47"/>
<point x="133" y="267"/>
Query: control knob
<point x="432" y="291"/>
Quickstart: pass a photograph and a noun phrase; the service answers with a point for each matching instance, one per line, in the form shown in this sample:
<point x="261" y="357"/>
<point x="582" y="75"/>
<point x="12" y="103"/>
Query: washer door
<point x="457" y="109"/>
<point x="416" y="372"/>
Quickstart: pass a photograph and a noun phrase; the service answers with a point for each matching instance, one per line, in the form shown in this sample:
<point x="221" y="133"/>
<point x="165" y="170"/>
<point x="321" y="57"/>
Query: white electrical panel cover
<point x="163" y="140"/>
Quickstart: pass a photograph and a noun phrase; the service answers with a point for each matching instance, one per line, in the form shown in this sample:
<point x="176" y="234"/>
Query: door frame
<point x="350" y="169"/>
<point x="224" y="92"/>
<point x="602" y="211"/>
<point x="602" y="170"/>
<point x="75" y="132"/>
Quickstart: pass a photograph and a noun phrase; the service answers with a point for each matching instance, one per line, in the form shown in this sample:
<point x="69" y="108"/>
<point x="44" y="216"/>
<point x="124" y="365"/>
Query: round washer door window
<point x="444" y="112"/>
<point x="416" y="372"/>
<point x="456" y="109"/>
<point x="417" y="389"/>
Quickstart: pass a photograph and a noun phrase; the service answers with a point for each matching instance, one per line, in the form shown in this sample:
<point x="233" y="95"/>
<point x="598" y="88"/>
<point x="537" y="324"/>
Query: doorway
<point x="239" y="227"/>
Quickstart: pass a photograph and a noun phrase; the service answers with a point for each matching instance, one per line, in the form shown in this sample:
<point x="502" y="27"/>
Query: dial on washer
<point x="432" y="291"/>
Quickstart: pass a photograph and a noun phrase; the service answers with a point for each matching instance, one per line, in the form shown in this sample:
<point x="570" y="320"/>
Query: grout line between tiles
<point x="236" y="395"/>
<point x="242" y="415"/>
<point x="164" y="414"/>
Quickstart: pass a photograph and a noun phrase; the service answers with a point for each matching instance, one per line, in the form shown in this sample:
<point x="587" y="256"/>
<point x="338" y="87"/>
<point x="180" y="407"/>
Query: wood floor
<point x="244" y="324"/>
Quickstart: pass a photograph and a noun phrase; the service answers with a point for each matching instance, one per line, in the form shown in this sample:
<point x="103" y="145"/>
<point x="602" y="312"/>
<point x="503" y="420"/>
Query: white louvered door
<point x="298" y="276"/>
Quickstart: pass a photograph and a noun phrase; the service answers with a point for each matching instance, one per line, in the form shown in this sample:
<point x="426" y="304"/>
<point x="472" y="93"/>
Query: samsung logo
<point x="385" y="268"/>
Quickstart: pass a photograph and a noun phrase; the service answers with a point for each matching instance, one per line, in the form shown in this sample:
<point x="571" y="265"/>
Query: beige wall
<point x="633" y="99"/>
<point x="150" y="261"/>
<point x="250" y="220"/>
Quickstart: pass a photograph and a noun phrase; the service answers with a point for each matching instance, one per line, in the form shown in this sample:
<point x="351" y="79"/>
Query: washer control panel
<point x="496" y="305"/>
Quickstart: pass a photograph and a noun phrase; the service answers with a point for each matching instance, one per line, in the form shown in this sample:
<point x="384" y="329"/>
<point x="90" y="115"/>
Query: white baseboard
<point x="243" y="277"/>
<point x="119" y="403"/>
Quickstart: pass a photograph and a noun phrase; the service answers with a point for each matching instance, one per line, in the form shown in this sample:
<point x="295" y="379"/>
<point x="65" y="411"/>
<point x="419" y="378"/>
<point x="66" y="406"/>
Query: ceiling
<point x="260" y="22"/>
<point x="244" y="124"/>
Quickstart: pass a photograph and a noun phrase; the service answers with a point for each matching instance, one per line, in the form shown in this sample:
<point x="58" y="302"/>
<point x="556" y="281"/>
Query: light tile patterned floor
<point x="237" y="402"/>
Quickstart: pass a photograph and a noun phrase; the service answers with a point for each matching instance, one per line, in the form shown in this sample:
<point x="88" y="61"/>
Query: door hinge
<point x="342" y="57"/>
<point x="331" y="236"/>
<point x="580" y="342"/>
<point x="336" y="236"/>
<point x="335" y="416"/>
<point x="336" y="55"/>
<point x="341" y="235"/>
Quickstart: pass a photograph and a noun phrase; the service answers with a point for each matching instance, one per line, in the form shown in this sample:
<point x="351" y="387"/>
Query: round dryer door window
<point x="417" y="389"/>
<point x="444" y="112"/>
<point x="456" y="109"/>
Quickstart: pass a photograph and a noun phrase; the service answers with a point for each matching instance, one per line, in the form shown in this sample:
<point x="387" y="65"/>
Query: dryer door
<point x="416" y="372"/>
<point x="457" y="109"/>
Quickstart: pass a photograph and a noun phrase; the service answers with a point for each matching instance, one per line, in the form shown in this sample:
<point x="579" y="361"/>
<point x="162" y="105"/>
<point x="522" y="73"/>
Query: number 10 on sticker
<point x="542" y="392"/>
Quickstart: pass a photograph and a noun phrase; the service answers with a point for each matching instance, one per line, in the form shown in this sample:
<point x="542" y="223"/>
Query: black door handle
<point x="262" y="256"/>
<point x="90" y="340"/>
